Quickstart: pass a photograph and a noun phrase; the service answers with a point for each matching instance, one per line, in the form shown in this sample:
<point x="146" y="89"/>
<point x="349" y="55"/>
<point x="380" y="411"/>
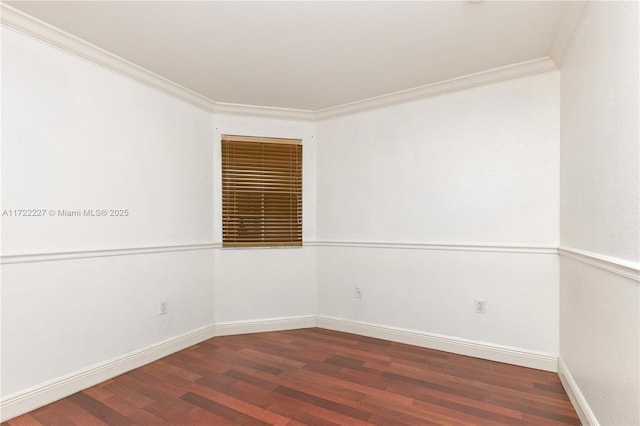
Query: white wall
<point x="60" y="317"/>
<point x="76" y="136"/>
<point x="599" y="193"/>
<point x="433" y="291"/>
<point x="599" y="340"/>
<point x="474" y="172"/>
<point x="478" y="166"/>
<point x="258" y="283"/>
<point x="600" y="212"/>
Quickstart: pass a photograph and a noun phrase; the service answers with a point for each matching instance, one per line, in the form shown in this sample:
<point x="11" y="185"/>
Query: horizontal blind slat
<point x="261" y="193"/>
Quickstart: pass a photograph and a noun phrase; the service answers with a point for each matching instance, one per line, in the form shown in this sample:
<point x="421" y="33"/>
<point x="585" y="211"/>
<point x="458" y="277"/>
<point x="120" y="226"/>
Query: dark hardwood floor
<point x="315" y="377"/>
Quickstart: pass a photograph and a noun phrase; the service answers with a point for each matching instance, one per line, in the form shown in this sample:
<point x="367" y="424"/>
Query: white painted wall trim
<point x="625" y="268"/>
<point x="22" y="22"/>
<point x="510" y="355"/>
<point x="33" y="27"/>
<point x="264" y="111"/>
<point x="83" y="254"/>
<point x="43" y="394"/>
<point x="494" y="75"/>
<point x="40" y="395"/>
<point x="586" y="415"/>
<point x="27" y="24"/>
<point x="265" y="325"/>
<point x="491" y="247"/>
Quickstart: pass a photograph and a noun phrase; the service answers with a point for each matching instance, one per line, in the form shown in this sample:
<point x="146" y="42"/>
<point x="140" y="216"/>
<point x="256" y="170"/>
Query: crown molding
<point x="262" y="111"/>
<point x="569" y="21"/>
<point x="40" y="30"/>
<point x="509" y="72"/>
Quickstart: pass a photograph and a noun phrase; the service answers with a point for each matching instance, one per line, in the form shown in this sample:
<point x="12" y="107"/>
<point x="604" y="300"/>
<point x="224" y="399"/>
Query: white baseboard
<point x="30" y="399"/>
<point x="586" y="415"/>
<point x="493" y="352"/>
<point x="264" y="325"/>
<point x="46" y="393"/>
<point x="38" y="396"/>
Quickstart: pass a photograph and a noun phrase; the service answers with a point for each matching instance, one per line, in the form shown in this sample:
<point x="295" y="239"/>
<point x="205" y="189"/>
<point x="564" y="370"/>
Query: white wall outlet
<point x="358" y="293"/>
<point x="480" y="306"/>
<point x="164" y="307"/>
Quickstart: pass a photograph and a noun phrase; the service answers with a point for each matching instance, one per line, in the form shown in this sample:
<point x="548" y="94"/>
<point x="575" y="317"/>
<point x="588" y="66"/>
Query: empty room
<point x="320" y="213"/>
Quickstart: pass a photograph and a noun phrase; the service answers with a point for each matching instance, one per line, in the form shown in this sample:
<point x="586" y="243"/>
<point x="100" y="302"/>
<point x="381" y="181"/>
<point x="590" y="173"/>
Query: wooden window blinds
<point x="261" y="192"/>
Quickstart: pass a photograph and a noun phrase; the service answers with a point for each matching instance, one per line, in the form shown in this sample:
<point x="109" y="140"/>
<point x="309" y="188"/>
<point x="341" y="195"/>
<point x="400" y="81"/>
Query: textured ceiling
<point x="309" y="55"/>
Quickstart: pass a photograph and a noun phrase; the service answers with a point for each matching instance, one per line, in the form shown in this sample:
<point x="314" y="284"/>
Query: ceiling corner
<point x="574" y="10"/>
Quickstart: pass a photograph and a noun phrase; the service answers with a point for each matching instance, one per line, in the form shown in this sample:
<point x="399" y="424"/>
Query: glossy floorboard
<point x="315" y="377"/>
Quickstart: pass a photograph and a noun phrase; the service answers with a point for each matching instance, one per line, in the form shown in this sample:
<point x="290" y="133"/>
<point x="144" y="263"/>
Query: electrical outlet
<point x="164" y="307"/>
<point x="358" y="293"/>
<point x="480" y="306"/>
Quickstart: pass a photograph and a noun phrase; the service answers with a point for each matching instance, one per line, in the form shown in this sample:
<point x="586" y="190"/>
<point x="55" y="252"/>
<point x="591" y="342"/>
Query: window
<point x="261" y="192"/>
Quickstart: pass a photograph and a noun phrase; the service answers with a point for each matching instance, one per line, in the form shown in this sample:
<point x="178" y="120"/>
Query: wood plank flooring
<point x="315" y="377"/>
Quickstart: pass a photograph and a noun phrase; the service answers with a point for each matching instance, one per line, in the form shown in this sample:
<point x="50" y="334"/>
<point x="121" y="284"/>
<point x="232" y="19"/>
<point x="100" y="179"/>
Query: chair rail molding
<point x="441" y="246"/>
<point x="625" y="268"/>
<point x="83" y="254"/>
